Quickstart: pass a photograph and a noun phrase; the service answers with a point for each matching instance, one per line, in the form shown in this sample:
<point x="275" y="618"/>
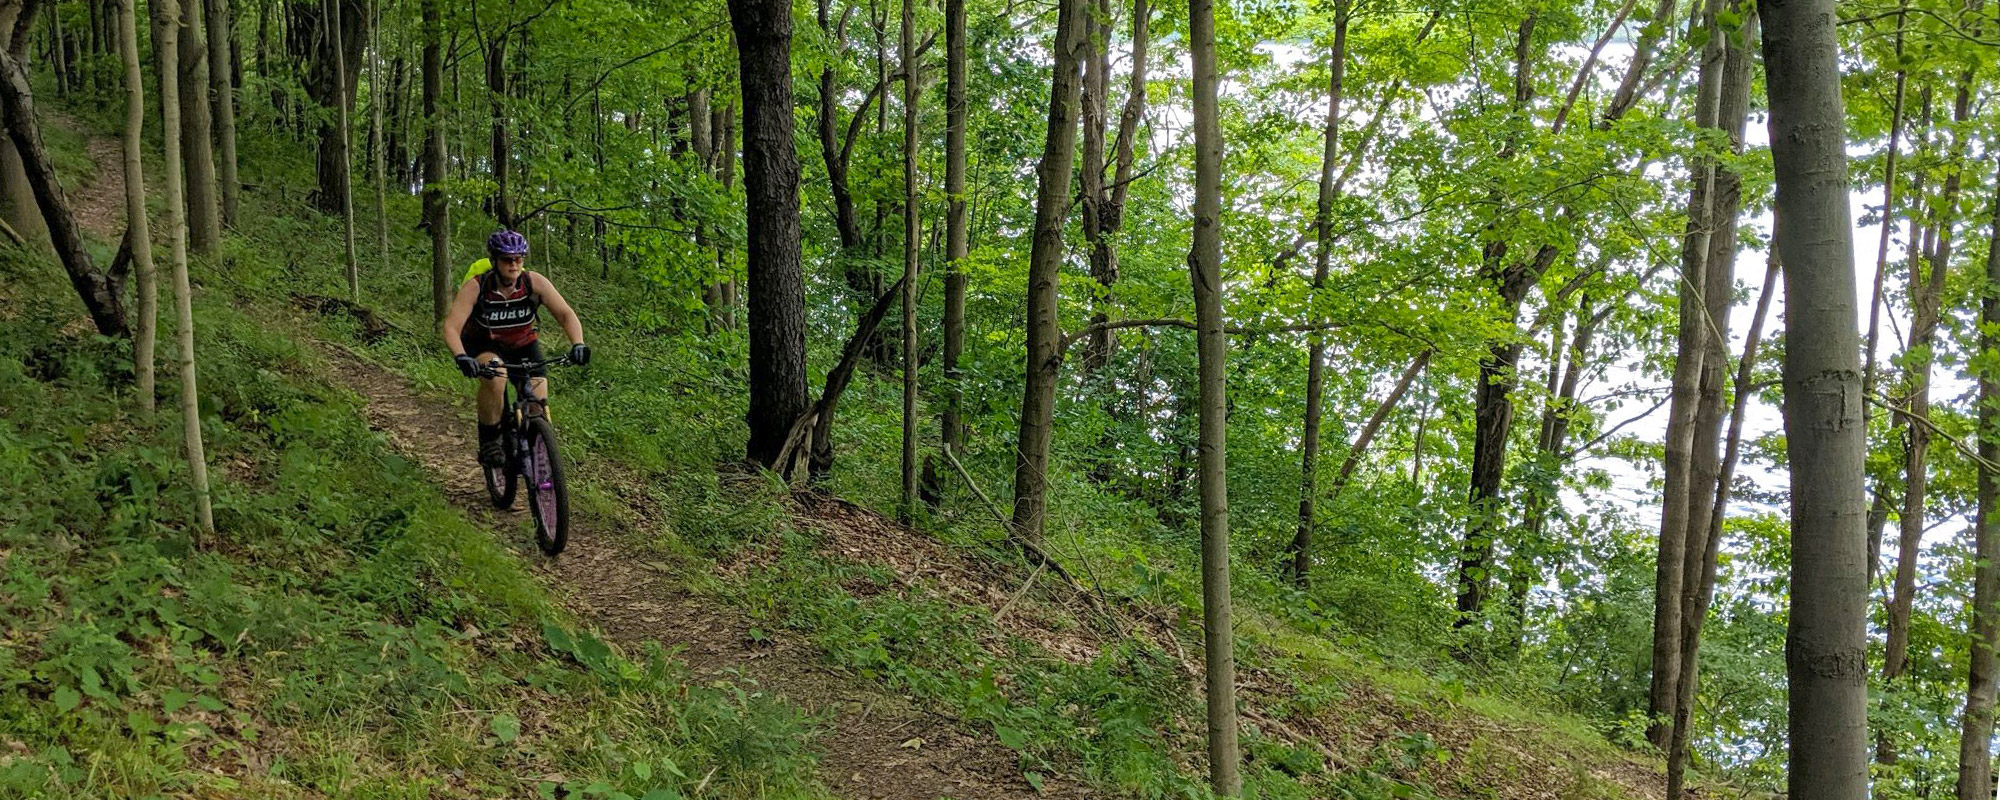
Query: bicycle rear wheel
<point x="548" y="497"/>
<point x="500" y="484"/>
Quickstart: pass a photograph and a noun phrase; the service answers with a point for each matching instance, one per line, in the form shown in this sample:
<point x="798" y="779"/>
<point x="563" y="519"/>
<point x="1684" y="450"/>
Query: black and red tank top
<point x="505" y="314"/>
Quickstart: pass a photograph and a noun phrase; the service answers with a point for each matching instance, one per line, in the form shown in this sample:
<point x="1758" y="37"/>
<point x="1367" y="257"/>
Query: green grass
<point x="346" y="633"/>
<point x="351" y="649"/>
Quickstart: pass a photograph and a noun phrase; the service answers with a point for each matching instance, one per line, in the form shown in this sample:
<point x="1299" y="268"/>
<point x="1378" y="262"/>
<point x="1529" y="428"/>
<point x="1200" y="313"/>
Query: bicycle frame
<point x="519" y="395"/>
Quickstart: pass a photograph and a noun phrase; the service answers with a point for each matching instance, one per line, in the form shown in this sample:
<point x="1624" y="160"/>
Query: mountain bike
<point x="529" y="441"/>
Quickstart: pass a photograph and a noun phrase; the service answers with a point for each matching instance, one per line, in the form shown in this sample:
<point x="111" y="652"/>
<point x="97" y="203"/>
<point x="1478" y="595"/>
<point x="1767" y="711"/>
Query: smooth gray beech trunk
<point x="1052" y="199"/>
<point x="1205" y="273"/>
<point x="1826" y="644"/>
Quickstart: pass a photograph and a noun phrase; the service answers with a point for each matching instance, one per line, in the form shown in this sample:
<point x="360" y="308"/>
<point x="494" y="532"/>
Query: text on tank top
<point x="506" y="315"/>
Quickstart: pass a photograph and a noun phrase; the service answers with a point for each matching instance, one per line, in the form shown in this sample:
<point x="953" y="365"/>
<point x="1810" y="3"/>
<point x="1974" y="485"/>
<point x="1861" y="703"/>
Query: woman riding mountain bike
<point x="494" y="316"/>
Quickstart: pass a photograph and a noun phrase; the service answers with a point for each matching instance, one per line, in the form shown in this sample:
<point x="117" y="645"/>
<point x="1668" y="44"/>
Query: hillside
<point x="364" y="625"/>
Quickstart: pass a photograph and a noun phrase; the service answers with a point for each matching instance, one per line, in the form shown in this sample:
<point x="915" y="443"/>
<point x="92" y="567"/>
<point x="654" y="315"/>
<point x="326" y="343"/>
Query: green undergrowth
<point x="345" y="633"/>
<point x="658" y="410"/>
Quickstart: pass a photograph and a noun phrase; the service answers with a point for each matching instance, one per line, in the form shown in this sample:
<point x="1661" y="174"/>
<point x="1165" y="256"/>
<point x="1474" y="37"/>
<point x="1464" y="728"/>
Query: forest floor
<point x="876" y="746"/>
<point x="877" y="743"/>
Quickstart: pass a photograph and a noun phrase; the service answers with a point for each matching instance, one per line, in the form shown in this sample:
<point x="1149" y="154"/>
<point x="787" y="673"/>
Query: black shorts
<point x="531" y="351"/>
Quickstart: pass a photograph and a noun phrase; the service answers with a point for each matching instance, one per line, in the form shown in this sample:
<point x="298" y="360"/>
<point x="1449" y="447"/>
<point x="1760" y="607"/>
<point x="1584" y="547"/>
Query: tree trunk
<point x="1702" y="592"/>
<point x="102" y="293"/>
<point x="957" y="238"/>
<point x="221" y="51"/>
<point x="771" y="185"/>
<point x="1670" y="567"/>
<point x="1091" y="109"/>
<point x="166" y="47"/>
<point x="17" y="200"/>
<point x="1868" y="371"/>
<point x="1826" y="647"/>
<point x="1205" y="272"/>
<point x="1975" y="749"/>
<point x="502" y="146"/>
<point x="1926" y="302"/>
<point x="437" y="216"/>
<point x="377" y="93"/>
<point x="137" y="235"/>
<point x="911" y="220"/>
<point x="1052" y="198"/>
<point x="1552" y="449"/>
<point x="343" y="99"/>
<point x="204" y="213"/>
<point x="1493" y="414"/>
<point x="1301" y="549"/>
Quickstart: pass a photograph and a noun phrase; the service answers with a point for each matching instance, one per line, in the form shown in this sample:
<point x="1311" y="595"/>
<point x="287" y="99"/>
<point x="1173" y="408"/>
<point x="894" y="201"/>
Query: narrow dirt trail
<point x="877" y="745"/>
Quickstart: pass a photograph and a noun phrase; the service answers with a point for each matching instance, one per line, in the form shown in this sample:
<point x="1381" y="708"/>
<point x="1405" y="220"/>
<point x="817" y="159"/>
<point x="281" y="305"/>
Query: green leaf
<point x="1034" y="779"/>
<point x="174" y="700"/>
<point x="1013" y="739"/>
<point x="642" y="770"/>
<point x="66" y="699"/>
<point x="661" y="794"/>
<point x="506" y="727"/>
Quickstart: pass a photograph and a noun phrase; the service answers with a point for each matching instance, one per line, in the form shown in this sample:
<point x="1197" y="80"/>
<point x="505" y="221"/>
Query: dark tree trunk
<point x="771" y="184"/>
<point x="957" y="237"/>
<point x="1301" y="550"/>
<point x="103" y="294"/>
<point x="1052" y="198"/>
<point x="204" y="209"/>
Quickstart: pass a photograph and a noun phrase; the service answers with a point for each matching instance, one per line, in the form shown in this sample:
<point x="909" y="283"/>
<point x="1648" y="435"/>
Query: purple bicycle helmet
<point x="505" y="242"/>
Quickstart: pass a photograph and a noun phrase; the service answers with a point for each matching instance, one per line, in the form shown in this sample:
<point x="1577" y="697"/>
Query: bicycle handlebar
<point x="491" y="369"/>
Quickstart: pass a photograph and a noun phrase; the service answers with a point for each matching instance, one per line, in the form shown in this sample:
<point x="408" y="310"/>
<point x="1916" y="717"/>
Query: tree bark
<point x="1826" y="632"/>
<point x="957" y="237"/>
<point x="166" y="48"/>
<point x="502" y="142"/>
<point x="377" y="94"/>
<point x="911" y="233"/>
<point x="1702" y="594"/>
<point x="1301" y="548"/>
<point x="137" y="235"/>
<point x="1975" y="750"/>
<point x="18" y="207"/>
<point x="771" y="186"/>
<point x="1493" y="414"/>
<point x="1868" y="371"/>
<point x="1052" y="198"/>
<point x="221" y="50"/>
<point x="437" y="215"/>
<point x="1926" y="303"/>
<point x="204" y="211"/>
<point x="1205" y="273"/>
<point x="1096" y="84"/>
<point x="343" y="99"/>
<point x="1670" y="567"/>
<point x="101" y="292"/>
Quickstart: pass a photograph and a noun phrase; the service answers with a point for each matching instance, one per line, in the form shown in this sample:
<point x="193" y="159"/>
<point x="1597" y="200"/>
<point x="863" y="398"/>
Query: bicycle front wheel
<point x="548" y="498"/>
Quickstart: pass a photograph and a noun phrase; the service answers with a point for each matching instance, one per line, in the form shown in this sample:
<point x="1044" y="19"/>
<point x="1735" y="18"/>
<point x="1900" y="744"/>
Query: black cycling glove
<point x="579" y="354"/>
<point x="467" y="365"/>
